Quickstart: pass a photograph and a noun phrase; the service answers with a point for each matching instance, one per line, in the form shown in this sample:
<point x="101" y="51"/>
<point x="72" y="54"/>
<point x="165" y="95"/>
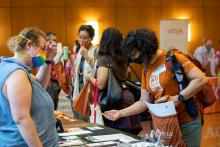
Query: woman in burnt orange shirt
<point x="157" y="82"/>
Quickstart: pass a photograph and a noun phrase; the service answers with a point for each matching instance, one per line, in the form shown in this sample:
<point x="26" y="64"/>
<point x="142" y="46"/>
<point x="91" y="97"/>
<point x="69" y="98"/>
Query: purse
<point x="112" y="94"/>
<point x="81" y="102"/>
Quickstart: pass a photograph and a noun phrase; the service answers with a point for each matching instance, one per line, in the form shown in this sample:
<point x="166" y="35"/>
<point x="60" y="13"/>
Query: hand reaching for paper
<point x="163" y="99"/>
<point x="167" y="98"/>
<point x="175" y="100"/>
<point x="112" y="114"/>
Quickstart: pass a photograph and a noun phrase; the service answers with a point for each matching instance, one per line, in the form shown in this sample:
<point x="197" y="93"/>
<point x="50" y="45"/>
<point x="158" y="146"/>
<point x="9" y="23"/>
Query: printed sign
<point x="174" y="34"/>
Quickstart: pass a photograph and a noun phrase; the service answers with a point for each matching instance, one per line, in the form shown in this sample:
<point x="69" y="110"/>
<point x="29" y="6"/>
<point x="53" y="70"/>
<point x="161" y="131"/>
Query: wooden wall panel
<point x="45" y="18"/>
<point x="211" y="3"/>
<point x="37" y="3"/>
<point x="5" y="30"/>
<point x="5" y="3"/>
<point x="211" y="25"/>
<point x="86" y="3"/>
<point x="131" y="18"/>
<point x="181" y="3"/>
<point x="65" y="16"/>
<point x="78" y="16"/>
<point x="128" y="18"/>
<point x="140" y="3"/>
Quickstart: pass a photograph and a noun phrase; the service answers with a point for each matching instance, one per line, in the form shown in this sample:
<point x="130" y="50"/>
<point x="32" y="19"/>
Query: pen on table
<point x="62" y="142"/>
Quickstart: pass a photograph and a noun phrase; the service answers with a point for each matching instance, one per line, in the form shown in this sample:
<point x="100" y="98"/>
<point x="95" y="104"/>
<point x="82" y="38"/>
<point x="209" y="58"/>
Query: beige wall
<point x="65" y="16"/>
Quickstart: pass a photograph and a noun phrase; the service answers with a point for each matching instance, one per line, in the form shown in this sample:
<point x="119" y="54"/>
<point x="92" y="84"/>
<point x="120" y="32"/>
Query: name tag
<point x="159" y="70"/>
<point x="154" y="78"/>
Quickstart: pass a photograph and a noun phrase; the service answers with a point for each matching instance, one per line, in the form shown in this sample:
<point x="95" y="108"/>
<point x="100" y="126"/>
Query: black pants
<point x="54" y="90"/>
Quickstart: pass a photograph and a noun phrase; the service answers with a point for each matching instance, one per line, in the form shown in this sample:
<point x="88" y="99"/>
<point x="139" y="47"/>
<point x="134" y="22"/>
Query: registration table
<point x="95" y="135"/>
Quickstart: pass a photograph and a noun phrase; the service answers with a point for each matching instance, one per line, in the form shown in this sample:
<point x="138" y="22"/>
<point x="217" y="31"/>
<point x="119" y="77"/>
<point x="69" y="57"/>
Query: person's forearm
<point x="136" y="108"/>
<point x="43" y="75"/>
<point x="28" y="132"/>
<point x="194" y="87"/>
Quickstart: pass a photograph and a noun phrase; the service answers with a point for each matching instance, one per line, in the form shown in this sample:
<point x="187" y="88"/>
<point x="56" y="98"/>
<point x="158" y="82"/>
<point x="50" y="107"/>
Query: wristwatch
<point x="180" y="97"/>
<point x="48" y="61"/>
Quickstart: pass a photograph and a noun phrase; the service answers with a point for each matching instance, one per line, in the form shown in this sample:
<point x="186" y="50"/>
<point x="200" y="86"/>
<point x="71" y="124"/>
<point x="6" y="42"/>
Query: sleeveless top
<point x="41" y="111"/>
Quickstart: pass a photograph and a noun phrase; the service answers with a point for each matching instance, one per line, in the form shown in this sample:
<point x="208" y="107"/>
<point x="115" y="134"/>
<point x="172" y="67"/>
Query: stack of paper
<point x="75" y="131"/>
<point x="70" y="137"/>
<point x="71" y="142"/>
<point x="112" y="137"/>
<point x="107" y="143"/>
<point x="94" y="128"/>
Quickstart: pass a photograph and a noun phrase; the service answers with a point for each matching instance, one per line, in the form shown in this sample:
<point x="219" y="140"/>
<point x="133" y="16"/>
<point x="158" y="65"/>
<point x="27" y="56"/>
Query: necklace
<point x="81" y="66"/>
<point x="80" y="73"/>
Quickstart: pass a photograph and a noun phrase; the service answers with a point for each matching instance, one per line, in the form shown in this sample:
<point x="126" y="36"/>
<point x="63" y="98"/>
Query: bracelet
<point x="48" y="61"/>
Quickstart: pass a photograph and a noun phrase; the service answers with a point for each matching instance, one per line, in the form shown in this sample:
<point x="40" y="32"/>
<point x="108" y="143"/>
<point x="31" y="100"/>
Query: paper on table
<point x="142" y="144"/>
<point x="162" y="109"/>
<point x="71" y="142"/>
<point x="112" y="137"/>
<point x="75" y="131"/>
<point x="107" y="143"/>
<point x="95" y="128"/>
<point x="70" y="137"/>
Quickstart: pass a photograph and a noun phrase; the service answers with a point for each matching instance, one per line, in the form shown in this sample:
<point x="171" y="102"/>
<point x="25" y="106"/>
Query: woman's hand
<point x="175" y="100"/>
<point x="84" y="52"/>
<point x="169" y="98"/>
<point x="163" y="99"/>
<point x="88" y="77"/>
<point x="112" y="114"/>
<point x="51" y="50"/>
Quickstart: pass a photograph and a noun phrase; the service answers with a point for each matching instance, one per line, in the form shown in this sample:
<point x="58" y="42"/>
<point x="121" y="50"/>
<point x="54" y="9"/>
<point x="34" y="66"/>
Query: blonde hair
<point x="18" y="43"/>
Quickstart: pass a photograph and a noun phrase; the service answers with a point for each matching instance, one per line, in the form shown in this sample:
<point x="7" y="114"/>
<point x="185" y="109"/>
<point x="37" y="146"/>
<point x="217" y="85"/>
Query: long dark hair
<point x="77" y="45"/>
<point x="111" y="45"/>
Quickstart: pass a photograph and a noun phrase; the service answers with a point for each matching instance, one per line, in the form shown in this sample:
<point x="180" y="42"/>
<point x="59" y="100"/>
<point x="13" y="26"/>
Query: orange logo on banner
<point x="177" y="31"/>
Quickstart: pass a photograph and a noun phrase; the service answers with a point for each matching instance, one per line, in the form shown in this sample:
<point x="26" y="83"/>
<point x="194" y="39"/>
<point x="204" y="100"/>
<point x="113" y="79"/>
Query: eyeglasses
<point x="35" y="44"/>
<point x="84" y="37"/>
<point x="38" y="46"/>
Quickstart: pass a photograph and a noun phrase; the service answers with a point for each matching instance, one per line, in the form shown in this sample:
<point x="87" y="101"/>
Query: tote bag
<point x="81" y="102"/>
<point x="170" y="130"/>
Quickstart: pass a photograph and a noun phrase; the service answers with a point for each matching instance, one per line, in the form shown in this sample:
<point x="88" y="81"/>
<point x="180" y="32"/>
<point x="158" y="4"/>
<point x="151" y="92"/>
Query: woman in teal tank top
<point x="26" y="109"/>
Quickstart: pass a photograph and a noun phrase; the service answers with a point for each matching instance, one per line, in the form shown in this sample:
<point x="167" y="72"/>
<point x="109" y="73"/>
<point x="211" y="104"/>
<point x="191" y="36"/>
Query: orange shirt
<point x="158" y="81"/>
